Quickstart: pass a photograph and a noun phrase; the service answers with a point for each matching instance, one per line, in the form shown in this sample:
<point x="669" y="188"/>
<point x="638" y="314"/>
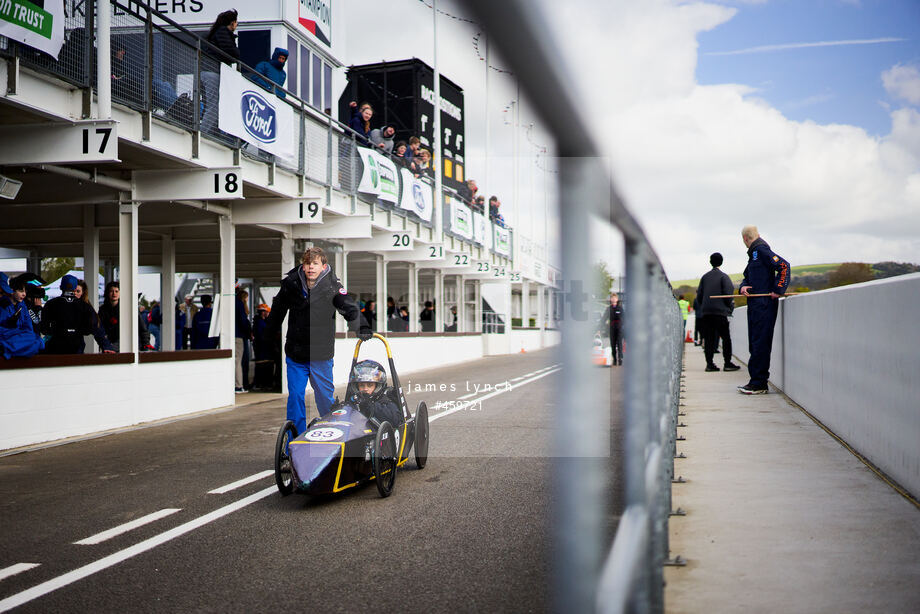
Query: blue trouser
<point x="761" y="315"/>
<point x="319" y="374"/>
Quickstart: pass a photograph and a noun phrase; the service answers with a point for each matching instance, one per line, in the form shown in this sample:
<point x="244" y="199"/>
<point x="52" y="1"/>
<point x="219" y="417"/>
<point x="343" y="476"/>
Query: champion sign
<point x="258" y="117"/>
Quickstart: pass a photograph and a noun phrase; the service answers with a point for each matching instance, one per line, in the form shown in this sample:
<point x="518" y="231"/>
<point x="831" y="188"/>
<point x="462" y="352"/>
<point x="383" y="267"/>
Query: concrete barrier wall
<point x="851" y="357"/>
<point x="47" y="404"/>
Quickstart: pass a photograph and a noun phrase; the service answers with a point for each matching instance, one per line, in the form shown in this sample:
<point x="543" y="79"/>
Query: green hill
<point x="805" y="269"/>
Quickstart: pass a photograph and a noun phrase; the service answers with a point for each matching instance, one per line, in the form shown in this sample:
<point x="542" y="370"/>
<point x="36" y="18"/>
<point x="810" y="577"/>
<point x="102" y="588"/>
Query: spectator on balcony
<point x="383" y="138"/>
<point x="494" y="214"/>
<point x="221" y="35"/>
<point x="143" y="330"/>
<point x="480" y="204"/>
<point x="412" y="152"/>
<point x="180" y="324"/>
<point x="190" y="310"/>
<point x="361" y="121"/>
<point x="391" y="307"/>
<point x="273" y="71"/>
<point x="467" y="191"/>
<point x="423" y="164"/>
<point x="127" y="80"/>
<point x="67" y="319"/>
<point x="201" y="326"/>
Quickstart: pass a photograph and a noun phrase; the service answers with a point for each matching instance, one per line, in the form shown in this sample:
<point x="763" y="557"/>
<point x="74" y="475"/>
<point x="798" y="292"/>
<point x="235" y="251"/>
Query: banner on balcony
<point x="32" y="25"/>
<point x="255" y="115"/>
<point x="461" y="220"/>
<point x="416" y="195"/>
<point x="481" y="234"/>
<point x="502" y="241"/>
<point x="378" y="176"/>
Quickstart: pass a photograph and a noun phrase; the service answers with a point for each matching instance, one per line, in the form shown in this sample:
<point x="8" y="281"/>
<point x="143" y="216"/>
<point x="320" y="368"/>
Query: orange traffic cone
<point x="689" y="339"/>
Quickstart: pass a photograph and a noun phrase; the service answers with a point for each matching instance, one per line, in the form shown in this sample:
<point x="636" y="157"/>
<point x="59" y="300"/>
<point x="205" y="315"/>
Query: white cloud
<point x="903" y="82"/>
<point x="696" y="163"/>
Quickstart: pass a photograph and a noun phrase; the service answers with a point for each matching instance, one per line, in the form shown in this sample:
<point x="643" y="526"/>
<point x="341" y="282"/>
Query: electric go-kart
<point x="345" y="448"/>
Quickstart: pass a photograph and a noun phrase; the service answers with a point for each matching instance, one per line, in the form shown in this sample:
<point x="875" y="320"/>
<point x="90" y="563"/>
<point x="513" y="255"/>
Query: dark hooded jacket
<point x="274" y="71"/>
<point x="311" y="326"/>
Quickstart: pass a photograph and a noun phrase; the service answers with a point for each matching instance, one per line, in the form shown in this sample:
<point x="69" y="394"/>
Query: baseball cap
<point x="68" y="282"/>
<point x="263" y="307"/>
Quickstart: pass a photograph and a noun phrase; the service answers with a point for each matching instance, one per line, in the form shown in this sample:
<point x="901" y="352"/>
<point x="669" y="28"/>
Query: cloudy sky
<point x="799" y="116"/>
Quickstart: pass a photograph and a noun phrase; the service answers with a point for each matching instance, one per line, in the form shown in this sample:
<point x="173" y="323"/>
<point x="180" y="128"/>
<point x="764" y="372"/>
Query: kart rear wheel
<point x="284" y="471"/>
<point x="384" y="459"/>
<point x="421" y="435"/>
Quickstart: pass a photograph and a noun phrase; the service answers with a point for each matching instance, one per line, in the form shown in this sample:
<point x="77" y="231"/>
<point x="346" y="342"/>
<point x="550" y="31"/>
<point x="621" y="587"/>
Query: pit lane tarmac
<point x="184" y="516"/>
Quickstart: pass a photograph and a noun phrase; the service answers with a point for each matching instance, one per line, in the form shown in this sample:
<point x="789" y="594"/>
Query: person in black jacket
<point x="67" y="318"/>
<point x="311" y="294"/>
<point x="712" y="314"/>
<point x="613" y="316"/>
<point x="222" y="36"/>
<point x="766" y="273"/>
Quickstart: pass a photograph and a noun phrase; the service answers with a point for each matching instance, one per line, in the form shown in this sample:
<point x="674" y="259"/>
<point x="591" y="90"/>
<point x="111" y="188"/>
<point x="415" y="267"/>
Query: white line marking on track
<point x="468" y="404"/>
<point x="12" y="570"/>
<point x="128" y="526"/>
<point x="113" y="559"/>
<point x="243" y="482"/>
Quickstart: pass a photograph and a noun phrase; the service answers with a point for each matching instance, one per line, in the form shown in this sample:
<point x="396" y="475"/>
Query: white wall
<point x="516" y="340"/>
<point x="410" y="354"/>
<point x="53" y="403"/>
<point x="851" y="357"/>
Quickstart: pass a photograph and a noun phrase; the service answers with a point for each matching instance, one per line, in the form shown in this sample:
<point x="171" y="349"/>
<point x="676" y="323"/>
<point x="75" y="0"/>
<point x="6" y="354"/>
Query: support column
<point x="541" y="313"/>
<point x="380" y="287"/>
<point x="342" y="272"/>
<point x="287" y="263"/>
<point x="525" y="303"/>
<point x="439" y="301"/>
<point x="413" y="299"/>
<point x="168" y="295"/>
<point x="477" y="308"/>
<point x="91" y="265"/>
<point x="461" y="306"/>
<point x="227" y="281"/>
<point x="127" y="277"/>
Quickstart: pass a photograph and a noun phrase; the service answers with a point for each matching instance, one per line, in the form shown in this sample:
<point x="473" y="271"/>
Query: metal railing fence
<point x="628" y="578"/>
<point x="158" y="67"/>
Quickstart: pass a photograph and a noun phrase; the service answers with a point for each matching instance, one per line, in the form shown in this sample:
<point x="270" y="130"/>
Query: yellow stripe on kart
<point x="338" y="472"/>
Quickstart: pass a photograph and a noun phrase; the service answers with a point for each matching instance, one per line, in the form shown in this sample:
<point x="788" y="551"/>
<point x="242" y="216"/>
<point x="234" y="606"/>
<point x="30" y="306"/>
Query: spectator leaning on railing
<point x="273" y="70"/>
<point x="383" y="138"/>
<point x="67" y="319"/>
<point x="222" y="36"/>
<point x="360" y="121"/>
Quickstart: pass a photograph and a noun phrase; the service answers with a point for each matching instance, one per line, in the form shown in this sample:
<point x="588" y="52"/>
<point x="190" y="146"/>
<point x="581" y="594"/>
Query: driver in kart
<point x="370" y="383"/>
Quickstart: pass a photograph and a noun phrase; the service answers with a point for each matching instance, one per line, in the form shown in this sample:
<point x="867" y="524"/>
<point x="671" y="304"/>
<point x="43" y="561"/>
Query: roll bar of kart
<point x="393" y="374"/>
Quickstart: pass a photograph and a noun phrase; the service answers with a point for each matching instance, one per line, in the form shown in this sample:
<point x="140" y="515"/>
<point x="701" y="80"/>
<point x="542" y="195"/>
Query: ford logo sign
<point x="258" y="117"/>
<point x="417" y="197"/>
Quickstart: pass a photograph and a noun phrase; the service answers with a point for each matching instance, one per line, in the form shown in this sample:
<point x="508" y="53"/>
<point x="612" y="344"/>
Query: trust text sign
<point x="38" y="27"/>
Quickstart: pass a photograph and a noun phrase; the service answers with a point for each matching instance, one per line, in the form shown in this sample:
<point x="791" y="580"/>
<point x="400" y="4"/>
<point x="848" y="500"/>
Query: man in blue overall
<point x="765" y="273"/>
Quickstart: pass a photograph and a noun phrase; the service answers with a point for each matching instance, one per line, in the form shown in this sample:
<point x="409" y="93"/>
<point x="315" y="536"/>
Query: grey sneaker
<point x="748" y="389"/>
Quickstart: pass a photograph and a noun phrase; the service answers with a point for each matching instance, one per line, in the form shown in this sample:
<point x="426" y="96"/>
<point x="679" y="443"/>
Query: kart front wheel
<point x="421" y="435"/>
<point x="384" y="459"/>
<point x="284" y="471"/>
